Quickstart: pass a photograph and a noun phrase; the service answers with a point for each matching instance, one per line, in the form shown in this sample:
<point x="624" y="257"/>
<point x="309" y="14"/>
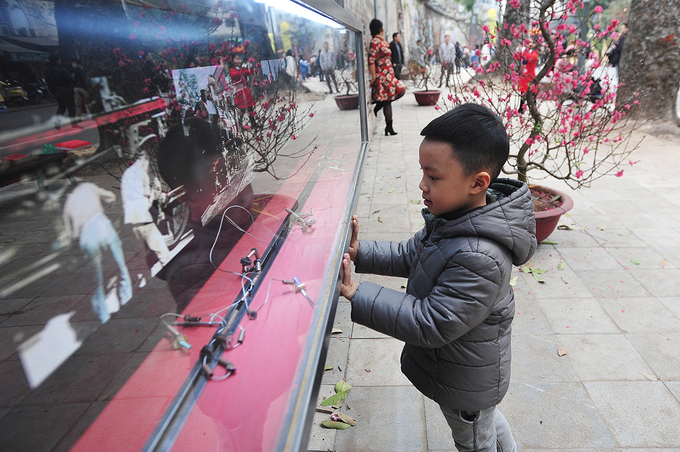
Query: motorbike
<point x="11" y="93"/>
<point x="36" y="92"/>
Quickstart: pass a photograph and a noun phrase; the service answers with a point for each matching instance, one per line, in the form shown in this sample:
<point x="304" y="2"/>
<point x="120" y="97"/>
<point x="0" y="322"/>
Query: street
<point x="40" y="116"/>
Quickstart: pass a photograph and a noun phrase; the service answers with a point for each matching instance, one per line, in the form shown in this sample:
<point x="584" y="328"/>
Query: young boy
<point x="456" y="313"/>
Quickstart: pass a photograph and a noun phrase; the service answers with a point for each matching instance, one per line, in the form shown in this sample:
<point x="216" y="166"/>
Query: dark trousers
<point x="397" y="70"/>
<point x="447" y="68"/>
<point x="65" y="101"/>
<point x="328" y="75"/>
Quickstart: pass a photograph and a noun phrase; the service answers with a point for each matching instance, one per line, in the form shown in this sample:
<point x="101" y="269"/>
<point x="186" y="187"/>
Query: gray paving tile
<point x="640" y="315"/>
<point x="661" y="351"/>
<point x="529" y="317"/>
<point x="618" y="238"/>
<point x="338" y="352"/>
<point x="629" y="405"/>
<point x="24" y="428"/>
<point x="388" y="419"/>
<point x="604" y="357"/>
<point x="612" y="284"/>
<point x="118" y="336"/>
<point x="438" y="431"/>
<point x="557" y="416"/>
<point x="672" y="303"/>
<point x="42" y="309"/>
<point x="11" y="337"/>
<point x="595" y="258"/>
<point x="646" y="257"/>
<point x="535" y="359"/>
<point x="14" y="383"/>
<point x="375" y="362"/>
<point x="577" y="315"/>
<point x="674" y="387"/>
<point x="664" y="282"/>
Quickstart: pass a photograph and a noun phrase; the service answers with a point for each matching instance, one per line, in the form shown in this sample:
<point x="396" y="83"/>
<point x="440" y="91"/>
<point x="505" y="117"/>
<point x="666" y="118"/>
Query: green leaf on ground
<point x="526" y="269"/>
<point x="564" y="227"/>
<point x="336" y="425"/>
<point x="342" y="386"/>
<point x="626" y="232"/>
<point x="513" y="280"/>
<point x="548" y="242"/>
<point x="635" y="261"/>
<point x="537" y="277"/>
<point x="601" y="227"/>
<point x="555" y="198"/>
<point x="392" y="190"/>
<point x="561" y="266"/>
<point x="415" y="201"/>
<point x="328" y="367"/>
<point x="335" y="400"/>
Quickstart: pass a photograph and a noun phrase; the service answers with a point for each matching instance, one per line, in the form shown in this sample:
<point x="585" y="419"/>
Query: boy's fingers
<point x="355" y="228"/>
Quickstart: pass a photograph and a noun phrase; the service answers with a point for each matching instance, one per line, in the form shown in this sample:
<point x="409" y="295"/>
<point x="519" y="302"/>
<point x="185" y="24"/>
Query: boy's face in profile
<point x="446" y="188"/>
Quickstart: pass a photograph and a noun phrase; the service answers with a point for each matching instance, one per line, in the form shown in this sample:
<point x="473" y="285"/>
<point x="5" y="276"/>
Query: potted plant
<point x="570" y="129"/>
<point x="349" y="100"/>
<point x="421" y="66"/>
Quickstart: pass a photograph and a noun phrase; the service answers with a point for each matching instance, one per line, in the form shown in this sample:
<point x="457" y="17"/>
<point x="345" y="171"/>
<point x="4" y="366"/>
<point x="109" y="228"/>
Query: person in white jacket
<point x="135" y="189"/>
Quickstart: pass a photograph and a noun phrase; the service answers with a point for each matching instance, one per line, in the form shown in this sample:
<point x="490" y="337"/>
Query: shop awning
<point x="13" y="52"/>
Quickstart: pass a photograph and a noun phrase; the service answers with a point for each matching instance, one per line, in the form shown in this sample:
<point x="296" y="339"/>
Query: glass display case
<point x="173" y="216"/>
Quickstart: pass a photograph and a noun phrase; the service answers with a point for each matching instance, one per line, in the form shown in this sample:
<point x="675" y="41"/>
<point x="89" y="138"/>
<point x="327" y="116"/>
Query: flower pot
<point x="347" y="102"/>
<point x="546" y="220"/>
<point x="427" y="98"/>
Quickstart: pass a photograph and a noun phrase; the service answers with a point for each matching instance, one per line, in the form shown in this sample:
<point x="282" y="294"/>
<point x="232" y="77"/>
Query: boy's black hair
<point x="394" y="35"/>
<point x="375" y="26"/>
<point x="476" y="135"/>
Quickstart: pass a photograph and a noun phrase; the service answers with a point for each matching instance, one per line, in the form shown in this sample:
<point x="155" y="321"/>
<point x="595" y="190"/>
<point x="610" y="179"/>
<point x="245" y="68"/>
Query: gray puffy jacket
<point x="456" y="313"/>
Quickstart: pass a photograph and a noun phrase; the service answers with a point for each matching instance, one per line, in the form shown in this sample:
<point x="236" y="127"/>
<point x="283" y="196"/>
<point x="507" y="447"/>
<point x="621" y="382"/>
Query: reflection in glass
<point x="175" y="126"/>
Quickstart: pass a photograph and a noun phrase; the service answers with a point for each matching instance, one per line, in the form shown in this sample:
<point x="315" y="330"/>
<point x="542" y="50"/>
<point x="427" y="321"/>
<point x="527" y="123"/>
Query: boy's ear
<point x="480" y="182"/>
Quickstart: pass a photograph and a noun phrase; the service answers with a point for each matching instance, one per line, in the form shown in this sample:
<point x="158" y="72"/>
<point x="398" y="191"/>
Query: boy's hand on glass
<point x="354" y="242"/>
<point x="348" y="287"/>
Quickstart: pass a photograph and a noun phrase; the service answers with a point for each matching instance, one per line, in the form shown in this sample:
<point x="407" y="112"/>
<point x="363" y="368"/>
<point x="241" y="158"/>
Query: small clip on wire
<point x="302" y="218"/>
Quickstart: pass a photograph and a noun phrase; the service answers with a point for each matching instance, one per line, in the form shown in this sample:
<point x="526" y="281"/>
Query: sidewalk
<point x="619" y="321"/>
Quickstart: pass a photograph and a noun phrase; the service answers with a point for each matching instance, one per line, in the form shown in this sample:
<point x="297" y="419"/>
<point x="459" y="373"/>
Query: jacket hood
<point x="508" y="221"/>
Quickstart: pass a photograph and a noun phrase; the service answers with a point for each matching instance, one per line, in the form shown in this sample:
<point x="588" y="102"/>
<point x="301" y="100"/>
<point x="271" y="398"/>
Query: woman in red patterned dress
<point x="385" y="87"/>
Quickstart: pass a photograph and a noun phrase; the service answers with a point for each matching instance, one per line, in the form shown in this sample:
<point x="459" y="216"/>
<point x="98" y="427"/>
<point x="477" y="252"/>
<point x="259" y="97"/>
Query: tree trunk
<point x="512" y="16"/>
<point x="650" y="59"/>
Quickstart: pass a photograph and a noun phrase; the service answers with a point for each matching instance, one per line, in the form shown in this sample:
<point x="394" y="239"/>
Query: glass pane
<point x="162" y="142"/>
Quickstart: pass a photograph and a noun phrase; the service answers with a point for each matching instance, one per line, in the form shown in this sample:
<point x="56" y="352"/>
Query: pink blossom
<point x="133" y="36"/>
<point x="578" y="174"/>
<point x="485" y="28"/>
<point x="121" y="63"/>
<point x="246" y="127"/>
<point x="598" y="9"/>
<point x="619" y="174"/>
<point x="311" y="115"/>
<point x="293" y="137"/>
<point x="436" y="107"/>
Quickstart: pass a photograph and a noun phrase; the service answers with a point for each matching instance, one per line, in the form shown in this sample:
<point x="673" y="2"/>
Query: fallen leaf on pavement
<point x="336" y="425"/>
<point x="336" y="331"/>
<point x="561" y="351"/>
<point x="380" y="219"/>
<point x="323" y="409"/>
<point x="513" y="281"/>
<point x="649" y="377"/>
<point x="561" y="266"/>
<point x="346" y="419"/>
<point x="328" y="367"/>
<point x="635" y="261"/>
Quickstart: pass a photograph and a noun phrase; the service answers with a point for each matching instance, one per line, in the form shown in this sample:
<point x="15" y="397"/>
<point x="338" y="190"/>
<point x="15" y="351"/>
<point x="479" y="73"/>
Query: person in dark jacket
<point x="397" y="55"/>
<point x="60" y="82"/>
<point x="455" y="317"/>
<point x="614" y="53"/>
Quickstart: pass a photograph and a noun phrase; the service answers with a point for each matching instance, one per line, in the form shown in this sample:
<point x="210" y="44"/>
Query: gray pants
<point x="480" y="431"/>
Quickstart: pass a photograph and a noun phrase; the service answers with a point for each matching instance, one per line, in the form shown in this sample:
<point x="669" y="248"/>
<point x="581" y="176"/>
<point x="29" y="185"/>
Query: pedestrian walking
<point x="60" y="83"/>
<point x="447" y="56"/>
<point x="81" y="96"/>
<point x="327" y="64"/>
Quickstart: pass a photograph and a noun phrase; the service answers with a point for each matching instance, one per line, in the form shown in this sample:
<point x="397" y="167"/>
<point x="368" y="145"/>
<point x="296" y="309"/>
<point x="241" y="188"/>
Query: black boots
<point x="389" y="130"/>
<point x="378" y="106"/>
